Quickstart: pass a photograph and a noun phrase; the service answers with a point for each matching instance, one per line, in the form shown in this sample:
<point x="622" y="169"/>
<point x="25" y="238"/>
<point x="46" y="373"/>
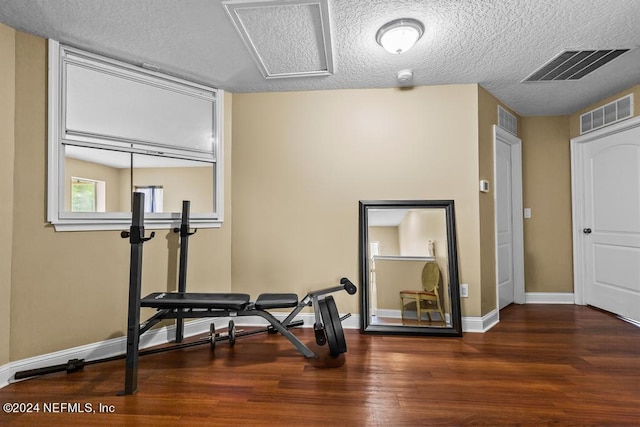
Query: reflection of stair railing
<point x="403" y="258"/>
<point x="374" y="293"/>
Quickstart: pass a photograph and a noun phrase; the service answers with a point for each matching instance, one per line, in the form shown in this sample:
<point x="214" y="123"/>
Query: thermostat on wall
<point x="484" y="186"/>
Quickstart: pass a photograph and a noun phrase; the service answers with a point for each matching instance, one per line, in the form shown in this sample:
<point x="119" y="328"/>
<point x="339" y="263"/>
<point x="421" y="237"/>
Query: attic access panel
<point x="286" y="38"/>
<point x="574" y="64"/>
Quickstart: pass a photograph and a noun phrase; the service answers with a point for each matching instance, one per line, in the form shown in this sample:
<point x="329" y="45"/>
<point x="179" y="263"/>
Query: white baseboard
<point x="469" y="324"/>
<point x="309" y="319"/>
<point x="480" y="324"/>
<point x="549" y="298"/>
<point x="392" y="314"/>
<point x="5" y="374"/>
<point x="397" y="314"/>
<point x="632" y="321"/>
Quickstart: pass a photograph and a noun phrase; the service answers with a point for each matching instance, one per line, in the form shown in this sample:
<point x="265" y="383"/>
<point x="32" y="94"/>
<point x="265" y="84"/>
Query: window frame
<point x="75" y="221"/>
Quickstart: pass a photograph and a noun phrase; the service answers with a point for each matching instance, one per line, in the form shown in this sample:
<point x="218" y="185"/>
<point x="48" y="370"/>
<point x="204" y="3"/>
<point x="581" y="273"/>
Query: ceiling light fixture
<point x="400" y="35"/>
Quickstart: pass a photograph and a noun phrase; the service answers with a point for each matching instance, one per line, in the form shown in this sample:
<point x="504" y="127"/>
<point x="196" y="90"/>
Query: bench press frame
<point x="180" y="312"/>
<point x="136" y="235"/>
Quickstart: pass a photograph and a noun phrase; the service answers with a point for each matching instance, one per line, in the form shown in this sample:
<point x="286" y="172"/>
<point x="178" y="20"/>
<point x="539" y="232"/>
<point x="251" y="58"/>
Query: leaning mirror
<point x="409" y="268"/>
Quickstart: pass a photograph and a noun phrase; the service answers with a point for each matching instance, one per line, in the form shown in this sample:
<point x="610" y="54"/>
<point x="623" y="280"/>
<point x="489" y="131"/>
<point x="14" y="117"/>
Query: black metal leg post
<point x="136" y="239"/>
<point x="182" y="271"/>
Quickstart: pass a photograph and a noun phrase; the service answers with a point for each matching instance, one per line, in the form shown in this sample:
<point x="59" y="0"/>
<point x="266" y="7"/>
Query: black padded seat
<point x="268" y="301"/>
<point x="164" y="300"/>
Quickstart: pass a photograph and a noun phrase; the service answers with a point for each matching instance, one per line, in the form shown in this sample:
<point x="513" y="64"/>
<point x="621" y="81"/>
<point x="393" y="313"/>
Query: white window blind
<point x="134" y="110"/>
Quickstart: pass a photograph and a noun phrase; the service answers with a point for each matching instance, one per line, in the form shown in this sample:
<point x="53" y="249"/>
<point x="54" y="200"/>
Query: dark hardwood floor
<point x="542" y="365"/>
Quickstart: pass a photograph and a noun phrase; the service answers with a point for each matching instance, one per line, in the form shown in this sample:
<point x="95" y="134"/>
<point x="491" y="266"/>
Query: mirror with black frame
<point x="409" y="268"/>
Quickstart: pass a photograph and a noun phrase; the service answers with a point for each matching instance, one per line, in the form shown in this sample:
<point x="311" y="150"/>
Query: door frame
<point x="501" y="135"/>
<point x="577" y="199"/>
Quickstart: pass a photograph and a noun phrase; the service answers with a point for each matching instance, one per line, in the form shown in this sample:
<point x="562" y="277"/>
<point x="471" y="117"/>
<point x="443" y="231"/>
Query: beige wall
<point x="548" y="262"/>
<point x="181" y="183"/>
<point x="70" y="288"/>
<point x="195" y="184"/>
<point x="487" y="117"/>
<point x="303" y="160"/>
<point x="417" y="228"/>
<point x="388" y="238"/>
<point x="575" y="118"/>
<point x="7" y="144"/>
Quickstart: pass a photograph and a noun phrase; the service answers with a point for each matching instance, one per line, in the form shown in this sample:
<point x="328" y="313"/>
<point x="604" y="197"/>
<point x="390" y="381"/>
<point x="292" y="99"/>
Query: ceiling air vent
<point x="507" y="121"/>
<point x="574" y="64"/>
<point x="606" y="115"/>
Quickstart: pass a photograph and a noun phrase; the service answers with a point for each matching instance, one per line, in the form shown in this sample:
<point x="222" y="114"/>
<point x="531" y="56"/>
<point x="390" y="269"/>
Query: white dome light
<point x="400" y="35"/>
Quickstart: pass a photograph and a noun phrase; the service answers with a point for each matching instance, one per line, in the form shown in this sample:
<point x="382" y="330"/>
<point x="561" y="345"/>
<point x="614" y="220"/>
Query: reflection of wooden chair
<point x="427" y="300"/>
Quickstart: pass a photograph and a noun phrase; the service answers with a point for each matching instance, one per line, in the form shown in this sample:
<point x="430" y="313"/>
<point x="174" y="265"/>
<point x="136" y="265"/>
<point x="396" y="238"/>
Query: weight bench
<point x="187" y="305"/>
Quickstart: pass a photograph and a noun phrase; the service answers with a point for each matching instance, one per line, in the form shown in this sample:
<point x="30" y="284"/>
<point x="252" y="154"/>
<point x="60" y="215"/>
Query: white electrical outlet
<point x="464" y="290"/>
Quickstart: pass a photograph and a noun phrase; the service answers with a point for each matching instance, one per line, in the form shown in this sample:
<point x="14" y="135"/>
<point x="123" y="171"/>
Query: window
<point x="374" y="249"/>
<point x="114" y="128"/>
<point x="153" y="198"/>
<point x="83" y="195"/>
<point x="87" y="195"/>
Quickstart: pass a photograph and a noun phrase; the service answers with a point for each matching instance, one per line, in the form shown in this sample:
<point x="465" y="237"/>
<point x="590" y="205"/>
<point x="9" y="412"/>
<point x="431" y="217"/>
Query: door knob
<point x="586" y="231"/>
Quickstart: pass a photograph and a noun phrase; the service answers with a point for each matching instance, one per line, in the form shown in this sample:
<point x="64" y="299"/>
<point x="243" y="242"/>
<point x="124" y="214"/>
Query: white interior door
<point x="504" y="225"/>
<point x="611" y="222"/>
<point x="508" y="212"/>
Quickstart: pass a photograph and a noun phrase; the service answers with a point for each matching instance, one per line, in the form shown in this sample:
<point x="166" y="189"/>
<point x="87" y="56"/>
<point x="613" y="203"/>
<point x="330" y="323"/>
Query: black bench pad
<point x="164" y="300"/>
<point x="267" y="301"/>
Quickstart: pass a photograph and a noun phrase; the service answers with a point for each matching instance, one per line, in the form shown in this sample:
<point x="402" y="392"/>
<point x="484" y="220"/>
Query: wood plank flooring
<point x="542" y="365"/>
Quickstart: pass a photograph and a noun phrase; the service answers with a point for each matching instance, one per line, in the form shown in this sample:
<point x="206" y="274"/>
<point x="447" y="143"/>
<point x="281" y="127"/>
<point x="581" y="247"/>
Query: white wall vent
<point x="606" y="115"/>
<point x="507" y="121"/>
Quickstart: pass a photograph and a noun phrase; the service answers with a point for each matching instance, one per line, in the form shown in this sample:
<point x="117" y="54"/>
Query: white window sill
<point x="124" y="224"/>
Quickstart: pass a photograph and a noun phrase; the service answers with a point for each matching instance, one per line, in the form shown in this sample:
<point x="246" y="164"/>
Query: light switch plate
<point x="464" y="290"/>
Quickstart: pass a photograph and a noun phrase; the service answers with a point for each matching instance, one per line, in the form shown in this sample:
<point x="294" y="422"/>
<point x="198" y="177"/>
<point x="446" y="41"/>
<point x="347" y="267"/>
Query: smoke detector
<point x="405" y="76"/>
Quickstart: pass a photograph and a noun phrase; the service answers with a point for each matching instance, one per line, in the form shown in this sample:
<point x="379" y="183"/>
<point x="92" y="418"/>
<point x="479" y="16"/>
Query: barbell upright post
<point x="182" y="269"/>
<point x="136" y="238"/>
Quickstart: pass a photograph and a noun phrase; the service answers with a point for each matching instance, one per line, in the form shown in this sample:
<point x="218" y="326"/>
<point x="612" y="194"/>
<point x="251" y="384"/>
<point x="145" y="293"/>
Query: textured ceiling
<point x="494" y="43"/>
